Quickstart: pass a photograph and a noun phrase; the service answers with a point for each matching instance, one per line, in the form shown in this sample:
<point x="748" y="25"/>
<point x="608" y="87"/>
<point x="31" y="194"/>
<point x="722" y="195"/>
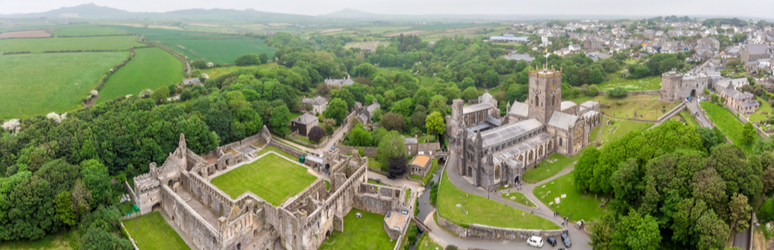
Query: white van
<point x="535" y="241"/>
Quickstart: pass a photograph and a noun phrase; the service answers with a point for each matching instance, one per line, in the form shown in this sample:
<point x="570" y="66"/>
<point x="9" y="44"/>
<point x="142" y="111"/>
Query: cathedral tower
<point x="545" y="93"/>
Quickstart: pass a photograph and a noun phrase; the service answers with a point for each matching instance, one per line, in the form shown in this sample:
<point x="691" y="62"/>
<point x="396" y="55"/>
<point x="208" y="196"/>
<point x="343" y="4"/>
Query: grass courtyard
<point x="37" y="84"/>
<point x="618" y="129"/>
<point x="546" y="169"/>
<point x="518" y="198"/>
<point x="576" y="203"/>
<point x="150" y="68"/>
<point x="728" y="123"/>
<point x="271" y="177"/>
<point x="480" y="210"/>
<point x="365" y="232"/>
<point x="151" y="231"/>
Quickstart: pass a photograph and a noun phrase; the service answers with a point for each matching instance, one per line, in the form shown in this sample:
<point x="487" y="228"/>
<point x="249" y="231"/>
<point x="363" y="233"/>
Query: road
<point x="693" y="106"/>
<point x="579" y="239"/>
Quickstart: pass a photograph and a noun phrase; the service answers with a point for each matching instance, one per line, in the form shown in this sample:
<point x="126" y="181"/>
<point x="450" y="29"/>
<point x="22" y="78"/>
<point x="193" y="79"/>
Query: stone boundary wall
<point x="288" y="149"/>
<point x="131" y="191"/>
<point x="369" y="151"/>
<point x="481" y="232"/>
<point x="672" y="112"/>
<point x="430" y="147"/>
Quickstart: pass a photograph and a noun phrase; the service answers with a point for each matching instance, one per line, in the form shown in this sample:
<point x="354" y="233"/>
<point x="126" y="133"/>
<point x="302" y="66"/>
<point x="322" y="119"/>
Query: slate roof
<point x="410" y="140"/>
<point x="757" y="49"/>
<point x="507" y="132"/>
<point x="493" y="121"/>
<point x="306" y="119"/>
<point x="373" y="107"/>
<point x="474" y="129"/>
<point x="319" y="100"/>
<point x="476" y="108"/>
<point x="750" y="104"/>
<point x="517" y="149"/>
<point x="589" y="104"/>
<point x="194" y="80"/>
<point x="519" y="109"/>
<point x="567" y="105"/>
<point x="517" y="57"/>
<point x="562" y="120"/>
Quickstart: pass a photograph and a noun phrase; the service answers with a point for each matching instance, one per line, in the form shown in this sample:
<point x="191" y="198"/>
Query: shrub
<point x="316" y="134"/>
<point x="617" y="92"/>
<point x="706" y="91"/>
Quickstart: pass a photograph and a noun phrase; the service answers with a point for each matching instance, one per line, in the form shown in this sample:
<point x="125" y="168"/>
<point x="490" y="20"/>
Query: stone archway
<point x="156" y="207"/>
<point x="328" y="233"/>
<point x="693" y="93"/>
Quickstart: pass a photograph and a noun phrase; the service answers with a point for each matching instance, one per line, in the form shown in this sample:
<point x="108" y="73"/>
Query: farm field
<point x="616" y="80"/>
<point x="382" y="29"/>
<point x="727" y="123"/>
<point x="210" y="47"/>
<point x="547" y="168"/>
<point x="150" y="68"/>
<point x="271" y="177"/>
<point x="366" y="232"/>
<point x="71" y="43"/>
<point x="576" y="203"/>
<point x="151" y="231"/>
<point x="25" y="34"/>
<point x="618" y="129"/>
<point x="37" y="84"/>
<point x="483" y="211"/>
<point x="86" y="30"/>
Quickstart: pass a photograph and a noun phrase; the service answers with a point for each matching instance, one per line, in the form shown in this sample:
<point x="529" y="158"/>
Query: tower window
<point x="560" y="141"/>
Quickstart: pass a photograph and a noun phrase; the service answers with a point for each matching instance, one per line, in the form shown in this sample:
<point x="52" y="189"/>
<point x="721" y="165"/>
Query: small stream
<point x="424" y="201"/>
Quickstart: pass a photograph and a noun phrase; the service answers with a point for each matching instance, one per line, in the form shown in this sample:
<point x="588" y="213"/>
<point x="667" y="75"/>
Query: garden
<point x="151" y="231"/>
<point x="366" y="232"/>
<point x="271" y="177"/>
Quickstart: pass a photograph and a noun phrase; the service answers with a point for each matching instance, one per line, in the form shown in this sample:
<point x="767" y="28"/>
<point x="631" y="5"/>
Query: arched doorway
<point x="239" y="246"/>
<point x="550" y="146"/>
<point x="693" y="93"/>
<point x="328" y="233"/>
<point x="156" y="207"/>
<point x="470" y="171"/>
<point x="516" y="180"/>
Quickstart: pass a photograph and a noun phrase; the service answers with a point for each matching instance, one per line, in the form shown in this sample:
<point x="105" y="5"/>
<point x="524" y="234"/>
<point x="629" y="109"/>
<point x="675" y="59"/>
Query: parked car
<point x="390" y="177"/>
<point x="566" y="240"/>
<point x="551" y="240"/>
<point x="535" y="241"/>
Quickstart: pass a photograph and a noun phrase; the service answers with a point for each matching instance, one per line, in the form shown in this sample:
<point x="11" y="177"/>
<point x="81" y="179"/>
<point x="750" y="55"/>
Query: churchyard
<point x="561" y="195"/>
<point x="462" y="209"/>
<point x="271" y="177"/>
<point x="150" y="68"/>
<point x="365" y="233"/>
<point x="547" y="168"/>
<point x="614" y="129"/>
<point x="37" y="84"/>
<point x="151" y="231"/>
<point x="518" y="198"/>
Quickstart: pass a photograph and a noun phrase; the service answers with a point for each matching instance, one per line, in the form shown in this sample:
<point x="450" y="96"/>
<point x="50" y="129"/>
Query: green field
<point x="763" y="113"/>
<point x="616" y="80"/>
<point x="54" y="241"/>
<point x="271" y="177"/>
<point x="150" y="68"/>
<point x="483" y="211"/>
<point x="72" y="43"/>
<point x="618" y="129"/>
<point x="210" y="47"/>
<point x="366" y="232"/>
<point x="37" y="84"/>
<point x="215" y="72"/>
<point x="518" y="198"/>
<point x="728" y="123"/>
<point x="151" y="231"/>
<point x="544" y="169"/>
<point x="577" y="204"/>
<point x="86" y="30"/>
<point x="647" y="107"/>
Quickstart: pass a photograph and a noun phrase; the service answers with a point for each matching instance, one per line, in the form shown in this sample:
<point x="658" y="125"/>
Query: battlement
<point x="545" y="72"/>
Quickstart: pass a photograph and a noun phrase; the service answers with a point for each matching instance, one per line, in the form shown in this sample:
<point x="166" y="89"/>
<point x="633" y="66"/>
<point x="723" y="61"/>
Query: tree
<point x="419" y="117"/>
<point x="345" y="96"/>
<point x="391" y="145"/>
<point x="64" y="209"/>
<point x="584" y="169"/>
<point x="749" y="132"/>
<point x="280" y="119"/>
<point x="438" y="104"/>
<point x="316" y="134"/>
<point x="403" y="107"/>
<point x="636" y="232"/>
<point x="470" y="93"/>
<point x="626" y="181"/>
<point x="711" y="230"/>
<point x="97" y="238"/>
<point x="97" y="179"/>
<point x="263" y="57"/>
<point x="337" y="110"/>
<point x="160" y="94"/>
<point x="398" y="165"/>
<point x="739" y="213"/>
<point x="708" y="137"/>
<point x="393" y="121"/>
<point x="248" y="59"/>
<point x="435" y="124"/>
<point x="359" y="136"/>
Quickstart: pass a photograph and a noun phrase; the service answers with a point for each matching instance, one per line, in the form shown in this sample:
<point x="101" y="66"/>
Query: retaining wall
<point x="481" y="232"/>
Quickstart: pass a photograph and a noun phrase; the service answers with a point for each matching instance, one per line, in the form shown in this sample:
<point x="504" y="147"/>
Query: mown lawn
<point x="365" y="233"/>
<point x="37" y="84"/>
<point x="518" y="198"/>
<point x="616" y="80"/>
<point x="151" y="231"/>
<point x="544" y="169"/>
<point x="762" y="113"/>
<point x="576" y="204"/>
<point x="728" y="123"/>
<point x="150" y="68"/>
<point x="36" y="45"/>
<point x="271" y="177"/>
<point x="618" y="129"/>
<point x="86" y="30"/>
<point x="55" y="241"/>
<point x="481" y="210"/>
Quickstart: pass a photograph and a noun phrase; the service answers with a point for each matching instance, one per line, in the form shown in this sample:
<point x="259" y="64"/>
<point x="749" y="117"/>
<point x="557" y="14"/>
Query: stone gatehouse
<point x="213" y="220"/>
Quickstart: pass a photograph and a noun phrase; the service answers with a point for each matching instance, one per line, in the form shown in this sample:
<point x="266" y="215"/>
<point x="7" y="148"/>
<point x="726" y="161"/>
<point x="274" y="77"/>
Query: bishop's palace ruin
<point x="494" y="151"/>
<point x="213" y="220"/>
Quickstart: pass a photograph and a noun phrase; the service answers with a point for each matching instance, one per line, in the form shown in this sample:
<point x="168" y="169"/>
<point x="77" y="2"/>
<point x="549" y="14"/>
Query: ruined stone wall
<point x="481" y="232"/>
<point x="379" y="199"/>
<point x="288" y="149"/>
<point x="203" y="235"/>
<point x="313" y="191"/>
<point x="215" y="199"/>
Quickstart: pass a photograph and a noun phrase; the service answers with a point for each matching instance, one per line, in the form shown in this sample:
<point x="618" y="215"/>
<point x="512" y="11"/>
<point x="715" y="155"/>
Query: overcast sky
<point x="748" y="8"/>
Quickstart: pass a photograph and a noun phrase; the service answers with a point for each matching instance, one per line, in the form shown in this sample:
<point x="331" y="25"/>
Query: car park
<point x="551" y="240"/>
<point x="566" y="240"/>
<point x="535" y="241"/>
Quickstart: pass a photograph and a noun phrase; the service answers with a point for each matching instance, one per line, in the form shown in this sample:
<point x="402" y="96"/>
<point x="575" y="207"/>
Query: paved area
<point x="694" y="107"/>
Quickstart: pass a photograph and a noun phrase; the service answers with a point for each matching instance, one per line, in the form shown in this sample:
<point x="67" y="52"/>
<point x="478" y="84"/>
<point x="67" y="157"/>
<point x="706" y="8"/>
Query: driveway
<point x="693" y="106"/>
